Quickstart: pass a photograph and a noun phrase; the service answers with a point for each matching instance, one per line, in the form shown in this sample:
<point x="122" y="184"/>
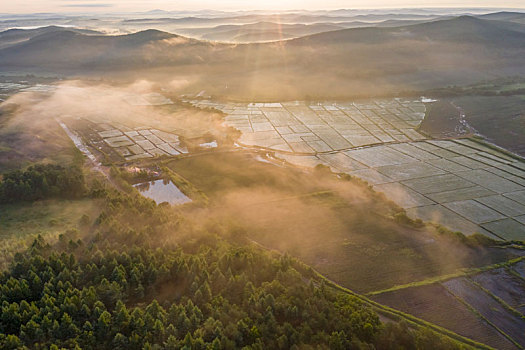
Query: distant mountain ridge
<point x="467" y="29"/>
<point x="14" y="36"/>
<point x="260" y="31"/>
<point x="71" y="49"/>
<point x="458" y="29"/>
<point x="505" y="16"/>
<point x="364" y="60"/>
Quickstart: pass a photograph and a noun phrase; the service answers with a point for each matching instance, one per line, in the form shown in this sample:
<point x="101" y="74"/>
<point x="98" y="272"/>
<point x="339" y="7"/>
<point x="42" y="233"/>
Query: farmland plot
<point x="465" y="185"/>
<point x="509" y="323"/>
<point x="120" y="142"/>
<point x="324" y="127"/>
<point x="505" y="286"/>
<point x="434" y="303"/>
<point x="519" y="268"/>
<point x="486" y="306"/>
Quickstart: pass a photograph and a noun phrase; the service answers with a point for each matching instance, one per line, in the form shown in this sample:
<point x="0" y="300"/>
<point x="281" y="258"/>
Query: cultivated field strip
<point x="435" y="303"/>
<point x="489" y="302"/>
<point x="489" y="308"/>
<point x="505" y="285"/>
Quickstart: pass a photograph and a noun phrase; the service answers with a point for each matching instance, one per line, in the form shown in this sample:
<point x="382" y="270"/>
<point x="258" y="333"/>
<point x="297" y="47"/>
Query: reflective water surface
<point x="162" y="191"/>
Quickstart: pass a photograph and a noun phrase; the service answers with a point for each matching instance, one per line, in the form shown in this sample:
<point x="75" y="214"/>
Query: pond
<point x="162" y="191"/>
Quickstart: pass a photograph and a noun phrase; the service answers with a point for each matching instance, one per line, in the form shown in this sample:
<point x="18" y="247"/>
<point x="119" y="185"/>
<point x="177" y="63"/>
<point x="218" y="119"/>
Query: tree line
<point x="42" y="181"/>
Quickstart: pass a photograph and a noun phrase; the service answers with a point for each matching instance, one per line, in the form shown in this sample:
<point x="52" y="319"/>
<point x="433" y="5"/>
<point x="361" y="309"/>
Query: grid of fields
<point x="462" y="184"/>
<point x="308" y="129"/>
<point x="142" y="143"/>
<point x="130" y="144"/>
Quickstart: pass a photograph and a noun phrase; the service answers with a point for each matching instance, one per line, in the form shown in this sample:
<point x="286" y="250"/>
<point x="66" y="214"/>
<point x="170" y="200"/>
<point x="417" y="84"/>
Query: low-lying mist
<point x="337" y="225"/>
<point x="29" y="119"/>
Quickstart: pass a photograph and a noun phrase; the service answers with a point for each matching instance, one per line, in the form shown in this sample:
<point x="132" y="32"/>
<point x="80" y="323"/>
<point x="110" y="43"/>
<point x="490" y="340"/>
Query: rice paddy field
<point x="465" y="185"/>
<point x="316" y="128"/>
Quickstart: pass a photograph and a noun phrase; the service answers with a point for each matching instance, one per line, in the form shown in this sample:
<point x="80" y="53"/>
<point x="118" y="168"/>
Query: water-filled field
<point x="162" y="191"/>
<point x="466" y="185"/>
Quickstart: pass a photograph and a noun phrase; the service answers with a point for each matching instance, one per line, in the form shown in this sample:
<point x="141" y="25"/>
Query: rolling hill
<point x="464" y="29"/>
<point x="257" y="32"/>
<point x="72" y="50"/>
<point x="15" y="36"/>
<point x="518" y="17"/>
<point x="348" y="62"/>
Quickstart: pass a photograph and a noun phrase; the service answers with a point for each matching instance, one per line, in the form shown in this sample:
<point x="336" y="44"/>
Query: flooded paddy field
<point x="311" y="128"/>
<point x="504" y="284"/>
<point x="465" y="185"/>
<point x="519" y="269"/>
<point x="434" y="303"/>
<point x="112" y="141"/>
<point x="119" y="142"/>
<point x="117" y="124"/>
<point x="12" y="84"/>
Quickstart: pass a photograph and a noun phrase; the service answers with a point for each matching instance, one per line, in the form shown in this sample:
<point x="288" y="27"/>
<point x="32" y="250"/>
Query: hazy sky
<point x="28" y="6"/>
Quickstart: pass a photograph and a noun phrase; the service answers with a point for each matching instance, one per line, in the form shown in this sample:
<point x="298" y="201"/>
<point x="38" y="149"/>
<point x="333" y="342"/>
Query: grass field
<point x="342" y="228"/>
<point x="442" y="120"/>
<point x="20" y="223"/>
<point x="499" y="118"/>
